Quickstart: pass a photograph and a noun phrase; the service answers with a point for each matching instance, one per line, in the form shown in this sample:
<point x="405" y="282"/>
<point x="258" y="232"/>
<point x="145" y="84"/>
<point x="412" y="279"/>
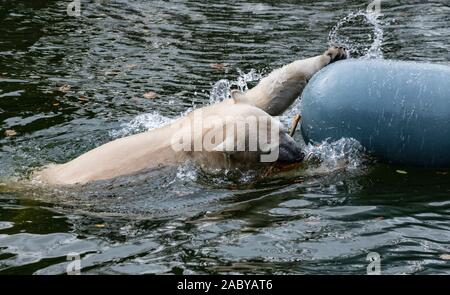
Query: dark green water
<point x="317" y="220"/>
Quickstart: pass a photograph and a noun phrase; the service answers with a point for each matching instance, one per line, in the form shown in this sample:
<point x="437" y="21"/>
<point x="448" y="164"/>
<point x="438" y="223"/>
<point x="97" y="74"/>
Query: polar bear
<point x="224" y="141"/>
<point x="216" y="128"/>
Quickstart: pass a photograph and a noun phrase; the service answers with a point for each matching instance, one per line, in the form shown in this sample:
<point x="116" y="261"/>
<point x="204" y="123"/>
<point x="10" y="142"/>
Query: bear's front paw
<point x="336" y="53"/>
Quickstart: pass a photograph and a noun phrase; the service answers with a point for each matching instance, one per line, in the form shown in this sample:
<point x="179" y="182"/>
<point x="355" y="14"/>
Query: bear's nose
<point x="289" y="150"/>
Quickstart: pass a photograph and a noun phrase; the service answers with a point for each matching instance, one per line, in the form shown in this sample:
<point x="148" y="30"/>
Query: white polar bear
<point x="161" y="146"/>
<point x="227" y="148"/>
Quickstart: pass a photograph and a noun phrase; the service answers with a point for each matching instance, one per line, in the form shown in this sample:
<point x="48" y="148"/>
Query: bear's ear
<point x="238" y="96"/>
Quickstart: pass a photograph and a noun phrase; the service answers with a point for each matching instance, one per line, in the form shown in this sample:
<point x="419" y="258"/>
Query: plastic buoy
<point x="399" y="111"/>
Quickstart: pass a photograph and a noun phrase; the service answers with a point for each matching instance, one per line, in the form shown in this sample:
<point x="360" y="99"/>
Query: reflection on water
<point x="324" y="217"/>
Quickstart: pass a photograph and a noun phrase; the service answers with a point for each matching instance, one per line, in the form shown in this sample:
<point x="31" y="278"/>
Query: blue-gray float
<point x="399" y="111"/>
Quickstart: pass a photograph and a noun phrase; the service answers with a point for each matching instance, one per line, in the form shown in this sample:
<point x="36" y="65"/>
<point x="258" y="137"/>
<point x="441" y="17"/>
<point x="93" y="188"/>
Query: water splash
<point x="141" y="123"/>
<point x="221" y="89"/>
<point x="186" y="172"/>
<point x="345" y="153"/>
<point x="361" y="33"/>
<point x="244" y="78"/>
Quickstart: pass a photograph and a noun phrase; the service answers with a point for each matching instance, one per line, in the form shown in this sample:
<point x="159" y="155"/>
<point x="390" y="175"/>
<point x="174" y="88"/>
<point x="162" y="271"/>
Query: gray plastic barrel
<point x="399" y="111"/>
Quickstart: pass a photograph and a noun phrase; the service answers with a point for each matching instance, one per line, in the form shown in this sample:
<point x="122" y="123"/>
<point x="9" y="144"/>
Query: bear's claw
<point x="336" y="53"/>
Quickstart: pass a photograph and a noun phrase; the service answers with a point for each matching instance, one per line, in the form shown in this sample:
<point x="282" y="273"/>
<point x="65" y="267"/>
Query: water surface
<point x="318" y="219"/>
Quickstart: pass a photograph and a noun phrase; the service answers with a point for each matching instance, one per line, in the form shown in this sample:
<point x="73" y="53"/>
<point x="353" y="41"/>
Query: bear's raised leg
<point x="276" y="92"/>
